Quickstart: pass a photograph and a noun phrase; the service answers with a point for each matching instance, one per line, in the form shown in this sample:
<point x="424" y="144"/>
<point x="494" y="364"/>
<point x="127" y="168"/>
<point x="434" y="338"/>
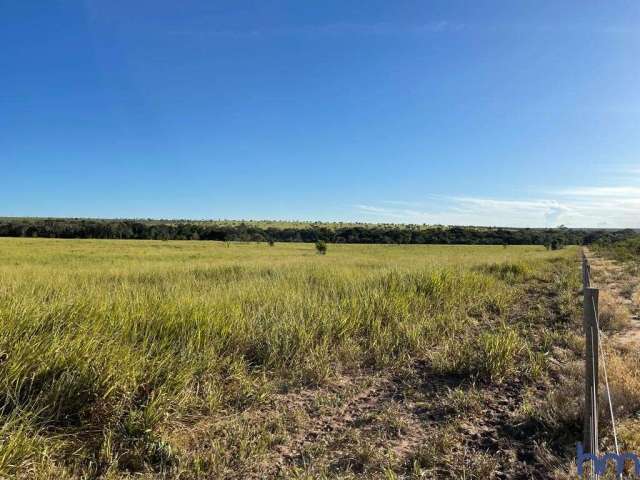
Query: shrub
<point x="321" y="247"/>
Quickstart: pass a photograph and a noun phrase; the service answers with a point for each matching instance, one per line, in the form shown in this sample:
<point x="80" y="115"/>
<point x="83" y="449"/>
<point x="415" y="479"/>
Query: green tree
<point x="321" y="247"/>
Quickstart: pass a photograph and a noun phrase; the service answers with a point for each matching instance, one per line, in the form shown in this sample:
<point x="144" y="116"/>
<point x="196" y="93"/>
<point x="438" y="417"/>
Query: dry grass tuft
<point x="635" y="297"/>
<point x="612" y="313"/>
<point x="623" y="368"/>
<point x="562" y="406"/>
<point x="628" y="289"/>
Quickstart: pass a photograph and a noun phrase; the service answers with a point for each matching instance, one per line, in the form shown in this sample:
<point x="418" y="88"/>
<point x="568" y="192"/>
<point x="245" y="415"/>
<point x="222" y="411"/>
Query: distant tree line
<point x="304" y="232"/>
<point x="624" y="250"/>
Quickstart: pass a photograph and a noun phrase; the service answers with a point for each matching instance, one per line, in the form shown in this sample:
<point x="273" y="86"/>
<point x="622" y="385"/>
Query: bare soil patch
<point x="620" y="294"/>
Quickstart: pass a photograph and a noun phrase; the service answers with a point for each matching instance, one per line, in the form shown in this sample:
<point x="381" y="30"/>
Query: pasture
<point x="187" y="359"/>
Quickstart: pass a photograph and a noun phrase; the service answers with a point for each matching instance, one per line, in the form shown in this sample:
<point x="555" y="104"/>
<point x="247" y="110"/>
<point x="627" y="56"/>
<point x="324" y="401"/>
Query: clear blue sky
<point x="457" y="112"/>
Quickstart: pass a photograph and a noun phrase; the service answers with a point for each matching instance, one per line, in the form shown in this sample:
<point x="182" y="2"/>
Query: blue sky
<point x="521" y="113"/>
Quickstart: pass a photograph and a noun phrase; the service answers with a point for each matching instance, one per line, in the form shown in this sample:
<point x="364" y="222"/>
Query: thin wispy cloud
<point x="577" y="207"/>
<point x="621" y="173"/>
<point x="433" y="27"/>
<point x="575" y="28"/>
<point x="610" y="192"/>
<point x="331" y="29"/>
<point x="403" y="203"/>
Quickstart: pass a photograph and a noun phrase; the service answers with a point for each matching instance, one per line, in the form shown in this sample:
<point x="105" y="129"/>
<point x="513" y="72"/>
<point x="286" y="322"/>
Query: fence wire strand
<point x="602" y="357"/>
<point x="606" y="382"/>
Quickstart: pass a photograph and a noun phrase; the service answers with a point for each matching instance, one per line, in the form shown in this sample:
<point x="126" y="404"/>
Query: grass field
<point x="213" y="360"/>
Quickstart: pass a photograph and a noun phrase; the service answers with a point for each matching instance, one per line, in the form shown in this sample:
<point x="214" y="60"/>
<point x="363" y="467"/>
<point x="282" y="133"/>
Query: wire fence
<point x="594" y="356"/>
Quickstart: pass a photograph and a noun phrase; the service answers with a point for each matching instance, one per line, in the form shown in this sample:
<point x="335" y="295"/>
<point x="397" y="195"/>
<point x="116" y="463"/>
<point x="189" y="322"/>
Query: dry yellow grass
<point x="613" y="314"/>
<point x="623" y="367"/>
<point x="635" y="297"/>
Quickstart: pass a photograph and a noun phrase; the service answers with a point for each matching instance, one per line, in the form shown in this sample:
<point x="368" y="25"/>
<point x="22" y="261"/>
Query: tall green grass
<point x="104" y="342"/>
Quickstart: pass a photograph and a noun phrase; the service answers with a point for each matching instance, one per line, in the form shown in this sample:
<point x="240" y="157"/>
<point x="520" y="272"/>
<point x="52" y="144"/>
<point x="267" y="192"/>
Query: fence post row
<point x="586" y="272"/>
<point x="592" y="344"/>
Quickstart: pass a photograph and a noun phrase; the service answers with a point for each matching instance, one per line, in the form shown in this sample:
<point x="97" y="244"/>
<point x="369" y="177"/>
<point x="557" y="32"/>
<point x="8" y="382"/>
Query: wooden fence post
<point x="592" y="343"/>
<point x="586" y="272"/>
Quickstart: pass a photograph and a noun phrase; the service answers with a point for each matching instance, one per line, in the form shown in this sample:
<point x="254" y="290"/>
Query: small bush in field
<point x="321" y="247"/>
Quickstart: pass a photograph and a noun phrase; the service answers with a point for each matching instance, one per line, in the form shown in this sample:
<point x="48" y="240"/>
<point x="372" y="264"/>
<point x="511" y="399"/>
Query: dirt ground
<point x="616" y="281"/>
